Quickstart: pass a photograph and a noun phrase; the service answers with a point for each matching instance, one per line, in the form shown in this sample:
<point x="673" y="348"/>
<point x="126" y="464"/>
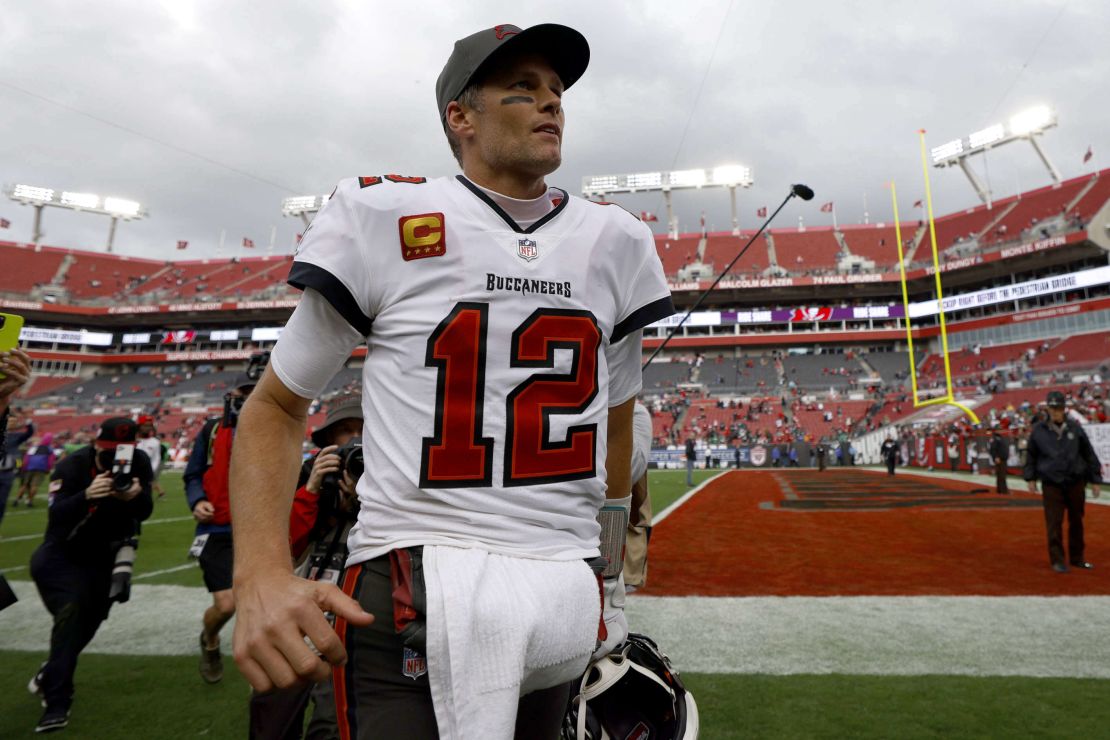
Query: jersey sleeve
<point x="625" y="372"/>
<point x="313" y="346"/>
<point x="331" y="260"/>
<point x="647" y="298"/>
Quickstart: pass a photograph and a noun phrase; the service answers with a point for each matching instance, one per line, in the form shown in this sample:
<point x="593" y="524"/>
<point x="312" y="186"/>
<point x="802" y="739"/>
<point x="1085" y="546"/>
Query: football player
<point x="503" y="320"/>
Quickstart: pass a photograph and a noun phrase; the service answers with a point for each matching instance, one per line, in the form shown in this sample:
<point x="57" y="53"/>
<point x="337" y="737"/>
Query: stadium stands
<point x="662" y="375"/>
<point x="876" y="243"/>
<point x="94" y="275"/>
<point x="1095" y="198"/>
<point x="798" y="251"/>
<point x="1080" y="352"/>
<point x="967" y="361"/>
<point x="676" y="253"/>
<point x="35" y="267"/>
<point x="821" y="371"/>
<point x="719" y="251"/>
<point x="745" y="375"/>
<point x="892" y="367"/>
<point x="1035" y="207"/>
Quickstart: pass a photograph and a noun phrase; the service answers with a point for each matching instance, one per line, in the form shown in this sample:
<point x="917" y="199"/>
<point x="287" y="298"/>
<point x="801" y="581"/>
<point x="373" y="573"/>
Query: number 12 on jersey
<point x="457" y="455"/>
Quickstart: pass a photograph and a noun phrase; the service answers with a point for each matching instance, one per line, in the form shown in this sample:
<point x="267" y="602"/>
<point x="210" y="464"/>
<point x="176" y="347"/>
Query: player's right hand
<point x="275" y="611"/>
<point x="1032" y="486"/>
<point x="326" y="462"/>
<point x="204" y="511"/>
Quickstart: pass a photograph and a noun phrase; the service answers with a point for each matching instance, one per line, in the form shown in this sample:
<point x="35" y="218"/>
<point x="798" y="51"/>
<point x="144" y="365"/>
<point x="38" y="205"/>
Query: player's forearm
<point x="618" y="459"/>
<point x="264" y="466"/>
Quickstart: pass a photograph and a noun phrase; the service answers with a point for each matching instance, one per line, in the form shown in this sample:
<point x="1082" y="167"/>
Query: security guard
<point x="1061" y="457"/>
<point x="92" y="515"/>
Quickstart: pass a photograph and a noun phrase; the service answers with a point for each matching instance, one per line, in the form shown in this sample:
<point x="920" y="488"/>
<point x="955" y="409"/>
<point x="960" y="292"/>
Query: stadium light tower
<point x="39" y="198"/>
<point x="303" y="206"/>
<point x="1028" y="125"/>
<point x="729" y="176"/>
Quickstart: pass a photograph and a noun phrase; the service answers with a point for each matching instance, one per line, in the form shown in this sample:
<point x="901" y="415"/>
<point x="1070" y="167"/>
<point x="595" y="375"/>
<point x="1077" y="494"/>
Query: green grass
<point x="163" y="697"/>
<point x="164" y="544"/>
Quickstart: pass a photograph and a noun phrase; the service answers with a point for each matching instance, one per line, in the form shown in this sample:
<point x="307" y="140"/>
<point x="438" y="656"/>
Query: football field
<point x="795" y="604"/>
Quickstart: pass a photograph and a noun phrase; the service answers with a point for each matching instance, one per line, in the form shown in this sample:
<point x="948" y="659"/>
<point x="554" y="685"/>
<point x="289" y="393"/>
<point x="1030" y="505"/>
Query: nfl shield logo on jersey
<point x="527" y="250"/>
<point x="413" y="664"/>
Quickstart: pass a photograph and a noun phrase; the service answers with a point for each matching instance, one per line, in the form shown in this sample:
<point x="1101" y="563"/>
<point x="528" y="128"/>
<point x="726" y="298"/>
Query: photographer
<point x="15" y="369"/>
<point x="97" y="499"/>
<point x="206" y="490"/>
<point x="324" y="509"/>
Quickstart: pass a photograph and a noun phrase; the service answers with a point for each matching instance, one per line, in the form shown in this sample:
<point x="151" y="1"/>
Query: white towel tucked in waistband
<point x="500" y="627"/>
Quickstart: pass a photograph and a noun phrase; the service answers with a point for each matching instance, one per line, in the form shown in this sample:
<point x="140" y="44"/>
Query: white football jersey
<point x="485" y="386"/>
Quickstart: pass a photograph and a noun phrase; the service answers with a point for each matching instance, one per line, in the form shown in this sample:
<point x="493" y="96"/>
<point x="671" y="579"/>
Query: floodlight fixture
<point x="40" y="197"/>
<point x="303" y="206"/>
<point x="954" y="147"/>
<point x="1028" y="125"/>
<point x="122" y="208"/>
<point x="729" y="176"/>
<point x="987" y="136"/>
<point x="1032" y="121"/>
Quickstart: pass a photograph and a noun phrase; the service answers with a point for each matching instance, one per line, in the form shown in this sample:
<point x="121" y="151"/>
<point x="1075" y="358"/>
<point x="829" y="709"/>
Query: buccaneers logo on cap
<point x="505" y="30"/>
<point x="422" y="236"/>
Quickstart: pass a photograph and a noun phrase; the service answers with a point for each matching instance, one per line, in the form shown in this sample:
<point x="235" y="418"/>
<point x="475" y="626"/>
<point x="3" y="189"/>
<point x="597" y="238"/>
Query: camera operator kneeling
<point x="98" y="496"/>
<point x="324" y="509"/>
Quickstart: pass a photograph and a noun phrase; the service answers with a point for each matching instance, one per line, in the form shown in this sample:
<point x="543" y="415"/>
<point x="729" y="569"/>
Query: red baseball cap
<point x="119" y="430"/>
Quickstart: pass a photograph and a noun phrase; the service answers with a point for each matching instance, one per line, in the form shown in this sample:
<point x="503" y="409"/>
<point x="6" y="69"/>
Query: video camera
<point x="121" y="467"/>
<point x="258" y="363"/>
<point x="233" y="404"/>
<point x="120" y="590"/>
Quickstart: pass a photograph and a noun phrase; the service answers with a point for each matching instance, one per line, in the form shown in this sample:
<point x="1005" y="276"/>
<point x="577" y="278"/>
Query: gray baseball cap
<point x="1056" y="398"/>
<point x="566" y="50"/>
<point x="342" y="407"/>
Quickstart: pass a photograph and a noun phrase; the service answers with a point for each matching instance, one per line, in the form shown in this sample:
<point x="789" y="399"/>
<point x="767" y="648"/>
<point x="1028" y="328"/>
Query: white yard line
<point x="25" y="537"/>
<point x="154" y="573"/>
<point x="684" y="498"/>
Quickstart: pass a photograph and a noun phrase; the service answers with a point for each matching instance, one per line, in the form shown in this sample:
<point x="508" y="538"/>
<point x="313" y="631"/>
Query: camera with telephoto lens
<point x="350" y="461"/>
<point x="120" y="589"/>
<point x="121" y="467"/>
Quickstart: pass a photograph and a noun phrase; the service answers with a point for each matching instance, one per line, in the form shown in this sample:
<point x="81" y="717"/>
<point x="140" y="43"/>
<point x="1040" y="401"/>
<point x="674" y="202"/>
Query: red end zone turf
<point x="856" y="533"/>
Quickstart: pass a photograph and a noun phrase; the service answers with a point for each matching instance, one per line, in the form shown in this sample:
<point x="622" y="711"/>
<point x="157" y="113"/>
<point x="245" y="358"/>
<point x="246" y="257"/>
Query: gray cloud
<point x="303" y="94"/>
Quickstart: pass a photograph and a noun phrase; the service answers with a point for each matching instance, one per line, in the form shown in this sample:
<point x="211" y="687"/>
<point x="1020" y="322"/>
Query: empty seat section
<point x="719" y="251"/>
<point x="798" y="251"/>
<point x="1034" y="207"/>
<point x="676" y="253"/>
<point x="24" y="268"/>
<point x="879" y="244"/>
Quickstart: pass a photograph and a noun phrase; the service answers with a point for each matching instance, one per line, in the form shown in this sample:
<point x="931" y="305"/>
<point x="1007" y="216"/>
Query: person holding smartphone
<point x="95" y="507"/>
<point x="15" y="369"/>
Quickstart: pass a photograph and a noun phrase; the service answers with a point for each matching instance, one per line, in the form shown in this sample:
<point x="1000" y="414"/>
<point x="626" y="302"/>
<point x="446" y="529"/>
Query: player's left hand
<point x="616" y="623"/>
<point x="1095" y="491"/>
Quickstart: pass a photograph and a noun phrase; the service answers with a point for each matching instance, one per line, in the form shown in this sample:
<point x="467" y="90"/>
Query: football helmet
<point x="633" y="693"/>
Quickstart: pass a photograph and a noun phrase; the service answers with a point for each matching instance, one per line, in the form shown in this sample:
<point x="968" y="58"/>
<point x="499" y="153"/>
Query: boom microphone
<point x="801" y="191"/>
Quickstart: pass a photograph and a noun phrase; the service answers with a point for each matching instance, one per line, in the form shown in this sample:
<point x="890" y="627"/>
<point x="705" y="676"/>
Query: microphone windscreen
<point x="802" y="191"/>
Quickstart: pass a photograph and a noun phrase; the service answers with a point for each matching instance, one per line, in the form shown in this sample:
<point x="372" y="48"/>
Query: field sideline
<point x="765" y="666"/>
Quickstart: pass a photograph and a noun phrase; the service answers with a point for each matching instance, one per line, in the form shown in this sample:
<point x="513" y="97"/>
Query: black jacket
<point x="1061" y="459"/>
<point x="75" y="523"/>
<point x="1000" y="449"/>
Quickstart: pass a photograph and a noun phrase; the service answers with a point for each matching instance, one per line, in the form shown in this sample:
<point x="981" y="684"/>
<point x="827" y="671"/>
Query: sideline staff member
<point x="1061" y="456"/>
<point x="89" y="518"/>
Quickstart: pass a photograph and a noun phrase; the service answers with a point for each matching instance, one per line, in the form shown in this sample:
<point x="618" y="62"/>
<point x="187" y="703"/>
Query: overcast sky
<point x="298" y="95"/>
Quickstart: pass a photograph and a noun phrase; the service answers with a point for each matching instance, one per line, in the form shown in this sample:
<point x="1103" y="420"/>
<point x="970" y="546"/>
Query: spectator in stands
<point x="16" y="369"/>
<point x="92" y="518"/>
<point x="206" y="490"/>
<point x="325" y="507"/>
<point x="953" y="451"/>
<point x="38" y="461"/>
<point x="1000" y="451"/>
<point x="1061" y="457"/>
